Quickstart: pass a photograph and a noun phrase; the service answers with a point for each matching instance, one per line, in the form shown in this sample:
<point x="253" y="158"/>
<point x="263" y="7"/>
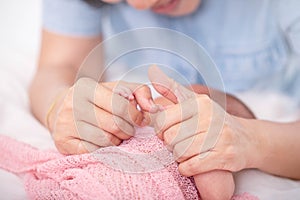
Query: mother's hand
<point x="90" y="115"/>
<point x="233" y="105"/>
<point x="201" y="135"/>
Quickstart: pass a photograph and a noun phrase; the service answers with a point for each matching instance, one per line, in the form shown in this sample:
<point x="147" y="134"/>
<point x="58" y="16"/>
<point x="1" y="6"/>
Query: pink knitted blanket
<point x="140" y="168"/>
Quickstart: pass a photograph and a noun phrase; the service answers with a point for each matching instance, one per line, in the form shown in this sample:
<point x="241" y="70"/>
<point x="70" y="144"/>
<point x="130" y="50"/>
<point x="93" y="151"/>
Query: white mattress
<point x="19" y="36"/>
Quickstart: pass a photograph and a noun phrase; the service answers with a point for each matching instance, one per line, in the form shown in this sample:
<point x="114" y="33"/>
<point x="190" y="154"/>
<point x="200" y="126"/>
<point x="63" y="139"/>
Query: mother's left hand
<point x="201" y="135"/>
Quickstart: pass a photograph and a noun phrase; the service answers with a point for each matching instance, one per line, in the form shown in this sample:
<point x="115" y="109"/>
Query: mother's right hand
<point x="90" y="115"/>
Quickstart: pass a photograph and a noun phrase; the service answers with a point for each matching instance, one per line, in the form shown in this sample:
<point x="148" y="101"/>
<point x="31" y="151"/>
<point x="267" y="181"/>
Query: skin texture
<point x="233" y="105"/>
<point x="59" y="63"/>
<point x="243" y="143"/>
<point x="222" y="181"/>
<point x="90" y="121"/>
<point x="240" y="144"/>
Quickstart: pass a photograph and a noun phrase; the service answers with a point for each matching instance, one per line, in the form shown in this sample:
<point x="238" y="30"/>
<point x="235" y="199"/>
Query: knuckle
<point x="80" y="148"/>
<point x="187" y="168"/>
<point x="169" y="137"/>
<point x="112" y="140"/>
<point x="126" y="131"/>
<point x="62" y="146"/>
<point x="182" y="169"/>
<point x="115" y="127"/>
<point x="106" y="140"/>
<point x="178" y="155"/>
<point x="109" y="139"/>
<point x="192" y="167"/>
<point x="62" y="150"/>
<point x="137" y="117"/>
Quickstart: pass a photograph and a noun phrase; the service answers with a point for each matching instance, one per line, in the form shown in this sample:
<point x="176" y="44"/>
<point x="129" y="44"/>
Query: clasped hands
<point x="205" y="139"/>
<point x="92" y="115"/>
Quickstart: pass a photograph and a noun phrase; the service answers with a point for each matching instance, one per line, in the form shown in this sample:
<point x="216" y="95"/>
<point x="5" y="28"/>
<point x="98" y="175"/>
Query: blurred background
<point x="20" y="31"/>
<point x="20" y="23"/>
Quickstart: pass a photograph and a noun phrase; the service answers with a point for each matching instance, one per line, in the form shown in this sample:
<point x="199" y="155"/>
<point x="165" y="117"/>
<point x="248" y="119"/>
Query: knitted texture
<point x="140" y="168"/>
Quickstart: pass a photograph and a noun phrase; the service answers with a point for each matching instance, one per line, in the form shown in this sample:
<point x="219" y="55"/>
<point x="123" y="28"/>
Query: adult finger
<point x="143" y="96"/>
<point x="202" y="163"/>
<point x="182" y="131"/>
<point x="144" y="99"/>
<point x="167" y="86"/>
<point x="204" y="141"/>
<point x="95" y="135"/>
<point x="113" y="103"/>
<point x="189" y="147"/>
<point x="106" y="121"/>
<point x="175" y="114"/>
<point x="75" y="146"/>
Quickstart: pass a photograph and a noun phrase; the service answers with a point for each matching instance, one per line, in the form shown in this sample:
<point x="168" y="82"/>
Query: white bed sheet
<point x="19" y="39"/>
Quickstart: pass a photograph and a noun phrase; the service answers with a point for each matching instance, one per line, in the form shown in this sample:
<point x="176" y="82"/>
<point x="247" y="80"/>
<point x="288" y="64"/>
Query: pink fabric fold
<point x="140" y="168"/>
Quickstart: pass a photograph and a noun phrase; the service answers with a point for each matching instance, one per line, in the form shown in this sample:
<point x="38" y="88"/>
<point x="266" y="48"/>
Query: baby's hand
<point x="215" y="185"/>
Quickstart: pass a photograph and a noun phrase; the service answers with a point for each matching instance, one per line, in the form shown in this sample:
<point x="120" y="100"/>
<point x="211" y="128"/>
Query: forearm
<point x="46" y="86"/>
<point x="60" y="59"/>
<point x="281" y="147"/>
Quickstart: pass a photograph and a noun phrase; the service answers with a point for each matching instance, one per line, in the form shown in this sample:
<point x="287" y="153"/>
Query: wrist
<point x="258" y="145"/>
